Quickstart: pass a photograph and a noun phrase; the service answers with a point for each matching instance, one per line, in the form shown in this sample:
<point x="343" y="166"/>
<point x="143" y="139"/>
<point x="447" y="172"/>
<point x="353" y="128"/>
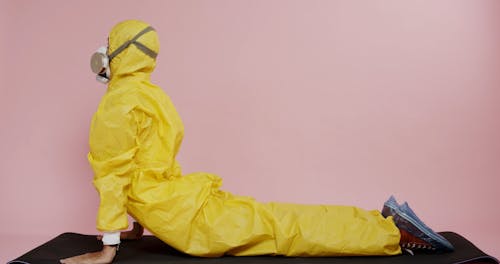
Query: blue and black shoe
<point x="405" y="219"/>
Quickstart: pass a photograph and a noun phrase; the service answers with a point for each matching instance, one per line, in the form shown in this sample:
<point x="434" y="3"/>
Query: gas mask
<point x="99" y="63"/>
<point x="100" y="60"/>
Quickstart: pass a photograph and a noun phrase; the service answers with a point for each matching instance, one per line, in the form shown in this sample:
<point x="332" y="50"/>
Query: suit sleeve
<point x="113" y="148"/>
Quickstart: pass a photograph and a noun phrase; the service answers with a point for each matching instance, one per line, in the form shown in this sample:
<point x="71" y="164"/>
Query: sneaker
<point x="414" y="233"/>
<point x="407" y="220"/>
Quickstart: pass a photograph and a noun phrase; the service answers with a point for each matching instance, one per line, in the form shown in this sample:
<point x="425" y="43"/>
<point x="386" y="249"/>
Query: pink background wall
<point x="338" y="102"/>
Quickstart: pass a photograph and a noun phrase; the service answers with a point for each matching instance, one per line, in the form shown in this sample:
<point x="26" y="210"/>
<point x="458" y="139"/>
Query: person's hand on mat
<point x="106" y="255"/>
<point x="134" y="234"/>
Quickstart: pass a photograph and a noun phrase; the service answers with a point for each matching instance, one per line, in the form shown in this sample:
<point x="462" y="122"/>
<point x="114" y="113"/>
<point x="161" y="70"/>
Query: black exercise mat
<point x="152" y="250"/>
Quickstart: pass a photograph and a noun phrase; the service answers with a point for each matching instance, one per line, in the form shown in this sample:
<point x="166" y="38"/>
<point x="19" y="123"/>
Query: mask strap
<point x="139" y="45"/>
<point x="145" y="49"/>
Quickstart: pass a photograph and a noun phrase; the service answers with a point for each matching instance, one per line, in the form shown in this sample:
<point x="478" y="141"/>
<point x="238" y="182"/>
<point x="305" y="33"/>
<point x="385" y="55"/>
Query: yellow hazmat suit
<point x="134" y="138"/>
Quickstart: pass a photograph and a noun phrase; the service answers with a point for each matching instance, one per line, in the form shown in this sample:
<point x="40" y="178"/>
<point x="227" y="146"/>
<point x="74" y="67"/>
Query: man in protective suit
<point x="135" y="136"/>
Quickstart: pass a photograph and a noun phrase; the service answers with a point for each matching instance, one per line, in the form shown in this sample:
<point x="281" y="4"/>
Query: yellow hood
<point x="131" y="61"/>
